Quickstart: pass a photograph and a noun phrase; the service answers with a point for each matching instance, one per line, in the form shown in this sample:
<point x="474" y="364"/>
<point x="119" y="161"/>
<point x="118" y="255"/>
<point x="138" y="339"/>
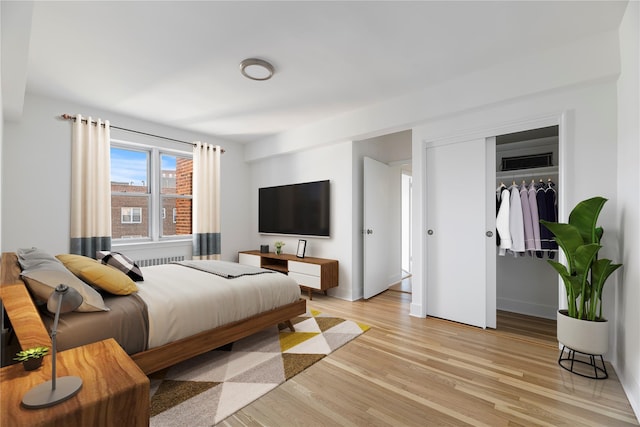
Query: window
<point x="145" y="183"/>
<point x="130" y="215"/>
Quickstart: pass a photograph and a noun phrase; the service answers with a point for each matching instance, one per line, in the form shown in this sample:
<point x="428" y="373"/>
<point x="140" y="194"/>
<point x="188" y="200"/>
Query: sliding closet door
<point x="460" y="232"/>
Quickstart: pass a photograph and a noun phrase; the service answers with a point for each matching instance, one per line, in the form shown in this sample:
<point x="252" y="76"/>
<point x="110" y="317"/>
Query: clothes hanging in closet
<point x="519" y="211"/>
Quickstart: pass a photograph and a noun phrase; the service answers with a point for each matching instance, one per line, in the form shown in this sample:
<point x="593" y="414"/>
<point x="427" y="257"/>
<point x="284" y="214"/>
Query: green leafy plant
<point x="278" y="245"/>
<point x="584" y="275"/>
<point x="31" y="353"/>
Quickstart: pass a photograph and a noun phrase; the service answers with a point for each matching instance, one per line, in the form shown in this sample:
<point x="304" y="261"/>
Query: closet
<point x="466" y="280"/>
<point x="527" y="167"/>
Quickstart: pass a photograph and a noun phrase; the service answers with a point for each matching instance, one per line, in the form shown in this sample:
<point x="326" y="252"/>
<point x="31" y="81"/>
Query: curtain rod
<point x="70" y="117"/>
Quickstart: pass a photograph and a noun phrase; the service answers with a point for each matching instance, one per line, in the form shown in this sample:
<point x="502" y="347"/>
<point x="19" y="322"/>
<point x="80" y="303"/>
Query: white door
<point x="377" y="228"/>
<point x="460" y="228"/>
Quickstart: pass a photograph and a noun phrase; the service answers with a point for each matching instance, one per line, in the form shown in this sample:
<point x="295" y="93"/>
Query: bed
<point x="167" y="341"/>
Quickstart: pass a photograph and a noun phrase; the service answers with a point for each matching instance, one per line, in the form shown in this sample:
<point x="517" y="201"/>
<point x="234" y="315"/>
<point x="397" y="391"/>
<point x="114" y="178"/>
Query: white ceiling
<point x="176" y="62"/>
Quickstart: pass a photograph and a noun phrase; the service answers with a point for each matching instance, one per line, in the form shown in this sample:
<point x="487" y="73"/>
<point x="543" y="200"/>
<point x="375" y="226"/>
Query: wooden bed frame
<point x="31" y="332"/>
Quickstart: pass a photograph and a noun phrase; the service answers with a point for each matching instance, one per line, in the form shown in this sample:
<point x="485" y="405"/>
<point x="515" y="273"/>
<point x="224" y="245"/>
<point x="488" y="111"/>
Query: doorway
<point x="391" y="153"/>
<point x="527" y="161"/>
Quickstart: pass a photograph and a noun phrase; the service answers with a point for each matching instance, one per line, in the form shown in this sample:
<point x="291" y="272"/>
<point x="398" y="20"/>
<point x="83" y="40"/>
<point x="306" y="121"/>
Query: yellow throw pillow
<point x="99" y="275"/>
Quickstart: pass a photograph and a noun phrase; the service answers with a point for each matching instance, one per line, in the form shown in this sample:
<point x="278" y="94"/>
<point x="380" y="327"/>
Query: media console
<point x="310" y="273"/>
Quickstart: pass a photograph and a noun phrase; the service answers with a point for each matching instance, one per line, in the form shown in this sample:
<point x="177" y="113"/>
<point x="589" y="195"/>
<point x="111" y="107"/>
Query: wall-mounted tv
<point x="300" y="209"/>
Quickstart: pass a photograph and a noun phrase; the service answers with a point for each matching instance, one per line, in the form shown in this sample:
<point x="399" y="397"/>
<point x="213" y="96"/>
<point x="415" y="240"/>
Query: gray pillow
<point x="44" y="272"/>
<point x="32" y="258"/>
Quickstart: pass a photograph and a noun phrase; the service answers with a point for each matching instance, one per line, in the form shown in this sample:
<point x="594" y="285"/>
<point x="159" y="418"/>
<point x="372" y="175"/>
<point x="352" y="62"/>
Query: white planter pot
<point x="583" y="335"/>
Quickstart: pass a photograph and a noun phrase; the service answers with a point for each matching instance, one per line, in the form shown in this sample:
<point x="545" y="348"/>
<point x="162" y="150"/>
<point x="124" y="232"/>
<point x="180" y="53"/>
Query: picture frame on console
<point x="302" y="247"/>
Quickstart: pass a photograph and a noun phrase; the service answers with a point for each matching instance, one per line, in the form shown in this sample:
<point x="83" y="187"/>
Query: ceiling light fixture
<point x="256" y="69"/>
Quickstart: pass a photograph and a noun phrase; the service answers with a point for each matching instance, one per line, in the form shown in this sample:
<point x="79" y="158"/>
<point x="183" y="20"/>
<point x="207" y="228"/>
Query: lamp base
<point x="42" y="396"/>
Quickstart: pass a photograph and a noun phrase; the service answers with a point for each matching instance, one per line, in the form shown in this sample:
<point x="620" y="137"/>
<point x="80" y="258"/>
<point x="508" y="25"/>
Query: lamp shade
<point x="64" y="299"/>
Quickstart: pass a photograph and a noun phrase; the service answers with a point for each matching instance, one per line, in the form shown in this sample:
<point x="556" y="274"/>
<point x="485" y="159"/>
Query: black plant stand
<point x="599" y="373"/>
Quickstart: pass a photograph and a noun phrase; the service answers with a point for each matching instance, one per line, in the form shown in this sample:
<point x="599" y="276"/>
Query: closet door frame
<point x="561" y="119"/>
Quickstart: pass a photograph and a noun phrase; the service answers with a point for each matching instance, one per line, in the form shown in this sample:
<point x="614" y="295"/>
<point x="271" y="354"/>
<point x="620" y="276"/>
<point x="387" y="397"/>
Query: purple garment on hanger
<point x="529" y="243"/>
<point x="533" y="204"/>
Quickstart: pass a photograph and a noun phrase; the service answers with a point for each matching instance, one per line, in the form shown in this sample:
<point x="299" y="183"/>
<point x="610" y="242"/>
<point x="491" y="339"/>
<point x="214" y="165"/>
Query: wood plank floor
<point x="407" y="371"/>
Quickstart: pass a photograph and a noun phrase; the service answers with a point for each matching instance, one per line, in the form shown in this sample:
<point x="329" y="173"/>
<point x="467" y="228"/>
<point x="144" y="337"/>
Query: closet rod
<point x="70" y="117"/>
<point x="545" y="174"/>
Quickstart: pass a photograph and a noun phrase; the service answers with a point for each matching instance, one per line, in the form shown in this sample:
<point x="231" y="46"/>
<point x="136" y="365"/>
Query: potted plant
<point x="31" y="358"/>
<point x="582" y="327"/>
<point x="278" y="245"/>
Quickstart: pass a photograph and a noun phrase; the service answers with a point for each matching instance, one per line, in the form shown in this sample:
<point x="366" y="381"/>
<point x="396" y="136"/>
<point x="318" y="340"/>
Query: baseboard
<point x="524" y="307"/>
<point x="631" y="388"/>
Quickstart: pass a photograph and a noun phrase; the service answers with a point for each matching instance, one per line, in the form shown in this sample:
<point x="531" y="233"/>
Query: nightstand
<point x="115" y="392"/>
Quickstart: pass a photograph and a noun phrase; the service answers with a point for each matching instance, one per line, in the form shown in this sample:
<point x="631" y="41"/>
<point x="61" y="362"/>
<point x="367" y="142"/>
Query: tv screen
<point x="300" y="209"/>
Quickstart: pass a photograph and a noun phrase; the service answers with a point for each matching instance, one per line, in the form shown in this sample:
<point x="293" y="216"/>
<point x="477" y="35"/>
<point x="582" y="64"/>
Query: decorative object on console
<point x="302" y="247"/>
<point x="64" y="299"/>
<point x="31" y="358"/>
<point x="278" y="245"/>
<point x="264" y="249"/>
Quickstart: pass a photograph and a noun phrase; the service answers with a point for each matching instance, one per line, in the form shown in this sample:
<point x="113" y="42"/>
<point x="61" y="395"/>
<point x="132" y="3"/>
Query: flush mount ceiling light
<point x="256" y="69"/>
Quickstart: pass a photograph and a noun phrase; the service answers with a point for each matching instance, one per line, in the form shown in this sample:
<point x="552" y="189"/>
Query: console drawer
<point x="248" y="259"/>
<point x="306" y="280"/>
<point x="304" y="268"/>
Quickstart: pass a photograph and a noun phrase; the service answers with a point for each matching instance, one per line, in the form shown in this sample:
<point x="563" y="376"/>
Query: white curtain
<point x="90" y="186"/>
<point x="206" y="201"/>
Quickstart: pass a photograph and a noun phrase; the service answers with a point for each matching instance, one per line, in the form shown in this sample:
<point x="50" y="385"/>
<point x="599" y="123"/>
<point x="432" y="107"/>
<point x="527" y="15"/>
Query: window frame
<point x="154" y="191"/>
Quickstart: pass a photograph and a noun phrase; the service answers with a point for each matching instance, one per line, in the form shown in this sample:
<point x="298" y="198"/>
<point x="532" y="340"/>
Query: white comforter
<point x="183" y="301"/>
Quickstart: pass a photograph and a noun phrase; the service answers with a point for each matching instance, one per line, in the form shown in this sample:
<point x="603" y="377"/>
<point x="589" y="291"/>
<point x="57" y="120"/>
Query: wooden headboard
<point x="23" y="314"/>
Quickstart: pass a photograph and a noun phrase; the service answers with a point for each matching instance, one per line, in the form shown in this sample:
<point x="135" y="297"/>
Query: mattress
<point x="183" y="301"/>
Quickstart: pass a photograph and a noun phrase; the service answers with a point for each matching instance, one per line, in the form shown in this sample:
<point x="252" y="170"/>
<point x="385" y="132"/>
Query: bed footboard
<point x="167" y="355"/>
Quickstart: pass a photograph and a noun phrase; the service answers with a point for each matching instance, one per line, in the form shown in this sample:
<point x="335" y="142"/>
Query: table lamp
<point x="62" y="300"/>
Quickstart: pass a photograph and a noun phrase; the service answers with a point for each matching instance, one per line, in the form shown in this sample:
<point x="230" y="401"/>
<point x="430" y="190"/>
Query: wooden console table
<point x="115" y="392"/>
<point x="310" y="273"/>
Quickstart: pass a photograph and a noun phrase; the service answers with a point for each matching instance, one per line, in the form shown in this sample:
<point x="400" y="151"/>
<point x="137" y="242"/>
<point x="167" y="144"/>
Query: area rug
<point x="207" y="389"/>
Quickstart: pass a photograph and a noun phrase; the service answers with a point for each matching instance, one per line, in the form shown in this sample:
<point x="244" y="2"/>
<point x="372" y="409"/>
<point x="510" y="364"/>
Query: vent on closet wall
<point x="528" y="161"/>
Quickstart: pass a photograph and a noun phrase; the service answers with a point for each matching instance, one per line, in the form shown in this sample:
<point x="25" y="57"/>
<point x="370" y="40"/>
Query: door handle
<point x="369" y="231"/>
<point x="489" y="233"/>
<point x="430" y="232"/>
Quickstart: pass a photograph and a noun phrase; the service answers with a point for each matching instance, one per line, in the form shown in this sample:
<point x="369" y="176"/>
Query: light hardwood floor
<point x="407" y="371"/>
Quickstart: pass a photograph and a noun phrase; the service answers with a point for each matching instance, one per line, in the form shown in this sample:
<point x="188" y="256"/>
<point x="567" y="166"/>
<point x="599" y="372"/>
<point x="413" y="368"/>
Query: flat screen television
<point x="300" y="209"/>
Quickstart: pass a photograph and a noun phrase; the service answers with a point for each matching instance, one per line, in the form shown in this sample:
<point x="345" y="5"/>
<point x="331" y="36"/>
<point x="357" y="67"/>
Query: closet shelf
<point x="546" y="172"/>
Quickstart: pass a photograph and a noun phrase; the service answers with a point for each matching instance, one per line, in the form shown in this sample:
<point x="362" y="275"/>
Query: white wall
<point x="627" y="337"/>
<point x="332" y="162"/>
<point x="36" y="177"/>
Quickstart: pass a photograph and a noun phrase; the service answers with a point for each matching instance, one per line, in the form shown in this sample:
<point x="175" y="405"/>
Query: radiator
<point x="159" y="260"/>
